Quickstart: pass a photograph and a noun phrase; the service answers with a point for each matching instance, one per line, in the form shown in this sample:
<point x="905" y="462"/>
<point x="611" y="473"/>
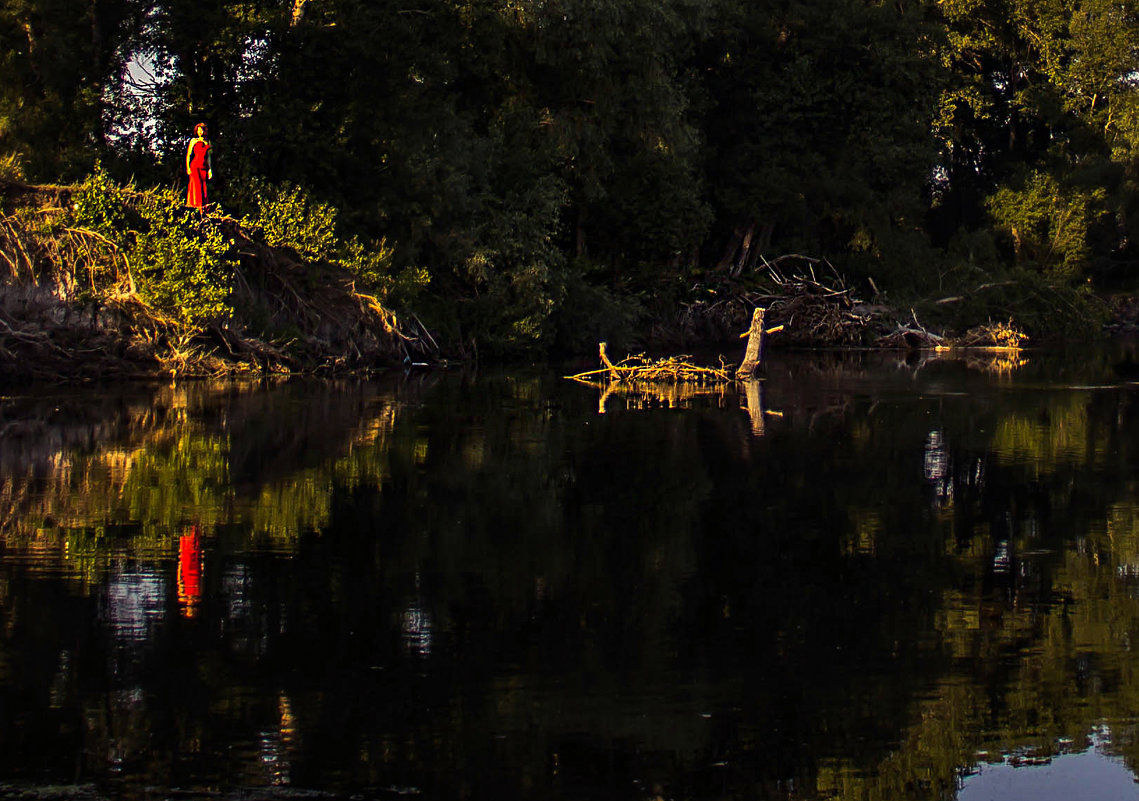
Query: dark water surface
<point x="857" y="579"/>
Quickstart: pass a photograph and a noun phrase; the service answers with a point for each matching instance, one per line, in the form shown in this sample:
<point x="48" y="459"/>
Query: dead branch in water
<point x="911" y="336"/>
<point x="674" y="369"/>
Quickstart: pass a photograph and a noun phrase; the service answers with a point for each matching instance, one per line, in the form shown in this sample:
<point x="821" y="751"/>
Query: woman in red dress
<point x="199" y="166"/>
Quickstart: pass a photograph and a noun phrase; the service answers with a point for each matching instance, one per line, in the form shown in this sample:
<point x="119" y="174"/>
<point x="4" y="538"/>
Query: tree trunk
<point x="753" y="356"/>
<point x="766" y="231"/>
<point x="745" y="246"/>
<point x="579" y="246"/>
<point x="730" y="251"/>
<point x="613" y="374"/>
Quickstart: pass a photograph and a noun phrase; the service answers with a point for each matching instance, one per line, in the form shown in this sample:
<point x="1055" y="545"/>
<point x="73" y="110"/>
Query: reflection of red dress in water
<point x="190" y="571"/>
<point x="198" y="166"/>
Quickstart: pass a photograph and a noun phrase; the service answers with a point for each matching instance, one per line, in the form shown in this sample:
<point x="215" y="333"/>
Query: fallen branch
<point x="673" y="369"/>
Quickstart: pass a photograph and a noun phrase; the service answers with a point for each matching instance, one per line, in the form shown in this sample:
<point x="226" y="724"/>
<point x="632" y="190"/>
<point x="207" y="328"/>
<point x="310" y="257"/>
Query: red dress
<point x="198" y="164"/>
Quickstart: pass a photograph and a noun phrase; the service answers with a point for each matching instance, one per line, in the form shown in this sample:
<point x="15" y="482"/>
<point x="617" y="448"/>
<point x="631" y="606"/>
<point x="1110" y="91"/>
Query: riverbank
<point x="104" y="281"/>
<point x="80" y="300"/>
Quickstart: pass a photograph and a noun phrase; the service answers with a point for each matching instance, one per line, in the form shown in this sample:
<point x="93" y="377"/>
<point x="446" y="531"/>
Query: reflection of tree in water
<point x="512" y="593"/>
<point x="1035" y="622"/>
<point x="154" y="461"/>
<point x="98" y="492"/>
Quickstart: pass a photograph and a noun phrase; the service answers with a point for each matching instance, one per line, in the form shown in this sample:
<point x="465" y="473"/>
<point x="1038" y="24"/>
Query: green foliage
<point x="57" y="59"/>
<point x="181" y="264"/>
<point x="12" y="167"/>
<point x="590" y="313"/>
<point x="374" y="269"/>
<point x="494" y="144"/>
<point x="819" y="120"/>
<point x="184" y="265"/>
<point x="289" y="217"/>
<point x="1037" y="112"/>
<point x="510" y="276"/>
<point x="100" y="206"/>
<point x="1047" y="223"/>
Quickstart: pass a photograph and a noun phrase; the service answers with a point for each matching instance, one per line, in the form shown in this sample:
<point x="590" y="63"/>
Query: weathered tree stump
<point x="614" y="373"/>
<point x="753" y="356"/>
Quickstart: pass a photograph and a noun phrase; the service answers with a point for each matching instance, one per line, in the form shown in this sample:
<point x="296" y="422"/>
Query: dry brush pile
<point x="812" y="305"/>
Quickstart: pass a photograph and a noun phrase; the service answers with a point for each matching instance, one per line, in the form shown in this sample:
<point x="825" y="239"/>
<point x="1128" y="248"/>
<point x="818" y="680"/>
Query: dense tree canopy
<point x="564" y="166"/>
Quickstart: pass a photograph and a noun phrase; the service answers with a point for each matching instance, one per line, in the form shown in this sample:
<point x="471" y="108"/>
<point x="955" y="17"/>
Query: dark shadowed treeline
<point x="564" y="171"/>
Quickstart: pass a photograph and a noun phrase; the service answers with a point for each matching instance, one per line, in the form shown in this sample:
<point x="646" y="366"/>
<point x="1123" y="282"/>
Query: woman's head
<point x="200" y="129"/>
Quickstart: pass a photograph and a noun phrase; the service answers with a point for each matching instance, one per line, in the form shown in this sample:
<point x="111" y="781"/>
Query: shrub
<point x="183" y="264"/>
<point x="288" y="217"/>
<point x="1041" y="306"/>
<point x="12" y="167"/>
<point x="100" y="206"/>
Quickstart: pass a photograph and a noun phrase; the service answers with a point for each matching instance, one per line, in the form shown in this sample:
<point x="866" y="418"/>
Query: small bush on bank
<point x="100" y="205"/>
<point x="288" y="216"/>
<point x="181" y="264"/>
<point x="184" y="265"/>
<point x="12" y="166"/>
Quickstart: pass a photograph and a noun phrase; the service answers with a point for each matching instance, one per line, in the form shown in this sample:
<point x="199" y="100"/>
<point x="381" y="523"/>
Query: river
<point x="865" y="576"/>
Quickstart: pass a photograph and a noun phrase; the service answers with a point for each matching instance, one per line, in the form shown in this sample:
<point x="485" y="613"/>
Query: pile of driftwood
<point x="990" y="336"/>
<point x="807" y="296"/>
<point x="804" y="310"/>
<point x="911" y="335"/>
<point x="677" y="369"/>
<point x="643" y="382"/>
<point x="810" y="304"/>
<point x="817" y="311"/>
<point x="673" y="369"/>
<point x="811" y="313"/>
